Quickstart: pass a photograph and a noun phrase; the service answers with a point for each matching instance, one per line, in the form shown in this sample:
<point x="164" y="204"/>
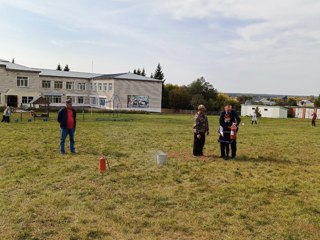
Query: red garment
<point x="70" y="119"/>
<point x="314" y="116"/>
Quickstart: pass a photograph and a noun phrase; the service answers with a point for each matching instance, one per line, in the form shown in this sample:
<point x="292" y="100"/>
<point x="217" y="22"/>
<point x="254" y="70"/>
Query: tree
<point x="201" y="86"/>
<point x="179" y="98"/>
<point x="197" y="100"/>
<point x="151" y="76"/>
<point x="317" y="102"/>
<point x="13" y="60"/>
<point x="143" y="73"/>
<point x="159" y="73"/>
<point x="139" y="71"/>
<point x="66" y="68"/>
<point x="59" y="67"/>
<point x="135" y="71"/>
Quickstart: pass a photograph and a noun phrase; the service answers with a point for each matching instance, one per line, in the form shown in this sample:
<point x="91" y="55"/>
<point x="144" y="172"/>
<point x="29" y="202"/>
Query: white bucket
<point x="161" y="158"/>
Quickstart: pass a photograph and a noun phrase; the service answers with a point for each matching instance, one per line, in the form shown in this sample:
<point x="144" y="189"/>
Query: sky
<point x="242" y="46"/>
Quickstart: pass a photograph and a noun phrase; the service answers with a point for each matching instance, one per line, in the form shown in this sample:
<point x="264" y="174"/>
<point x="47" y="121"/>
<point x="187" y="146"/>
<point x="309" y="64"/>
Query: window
<point x="110" y="86"/>
<point x="26" y="99"/>
<point x="58" y="84"/>
<point x="93" y="101"/>
<point x="46" y="84"/>
<point x="266" y="109"/>
<point x="100" y="86"/>
<point x="95" y="87"/>
<point x="105" y="87"/>
<point x="69" y="85"/>
<point x="22" y="82"/>
<point x="102" y="102"/>
<point x="54" y="99"/>
<point x="81" y="86"/>
<point x="91" y="86"/>
<point x="80" y="100"/>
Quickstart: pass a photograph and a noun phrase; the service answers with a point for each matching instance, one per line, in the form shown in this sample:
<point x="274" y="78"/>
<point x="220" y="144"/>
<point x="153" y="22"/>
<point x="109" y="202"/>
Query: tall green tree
<point x="159" y="73"/>
<point x="317" y="102"/>
<point x="139" y="71"/>
<point x="66" y="68"/>
<point x="180" y="98"/>
<point x="135" y="71"/>
<point x="202" y="87"/>
<point x="59" y="67"/>
<point x="13" y="60"/>
<point x="197" y="100"/>
<point x="143" y="73"/>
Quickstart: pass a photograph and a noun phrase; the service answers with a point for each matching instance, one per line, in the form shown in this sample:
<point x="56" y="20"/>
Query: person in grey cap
<point x="67" y="120"/>
<point x="201" y="128"/>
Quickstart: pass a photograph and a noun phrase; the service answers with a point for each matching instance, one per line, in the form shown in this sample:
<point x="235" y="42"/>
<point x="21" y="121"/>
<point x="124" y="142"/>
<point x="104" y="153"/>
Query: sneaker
<point x="63" y="153"/>
<point x="226" y="158"/>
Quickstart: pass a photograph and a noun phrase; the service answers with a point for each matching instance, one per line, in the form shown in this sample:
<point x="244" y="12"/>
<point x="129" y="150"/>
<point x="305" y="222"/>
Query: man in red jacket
<point x="314" y="118"/>
<point x="67" y="120"/>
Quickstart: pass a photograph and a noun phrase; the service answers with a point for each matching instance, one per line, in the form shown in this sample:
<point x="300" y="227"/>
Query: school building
<point x="20" y="85"/>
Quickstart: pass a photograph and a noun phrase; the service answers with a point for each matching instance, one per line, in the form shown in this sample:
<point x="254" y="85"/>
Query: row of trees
<point x="158" y="74"/>
<point x="66" y="68"/>
<point x="191" y="96"/>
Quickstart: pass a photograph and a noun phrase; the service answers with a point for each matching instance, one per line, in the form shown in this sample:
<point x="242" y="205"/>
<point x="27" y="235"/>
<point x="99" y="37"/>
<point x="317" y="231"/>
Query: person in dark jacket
<point x="234" y="118"/>
<point x="67" y="120"/>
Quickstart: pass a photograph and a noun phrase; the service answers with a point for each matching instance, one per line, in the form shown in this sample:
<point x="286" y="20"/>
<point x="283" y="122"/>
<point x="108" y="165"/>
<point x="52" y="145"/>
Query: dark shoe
<point x="226" y="158"/>
<point x="222" y="156"/>
<point x="63" y="153"/>
<point x="73" y="152"/>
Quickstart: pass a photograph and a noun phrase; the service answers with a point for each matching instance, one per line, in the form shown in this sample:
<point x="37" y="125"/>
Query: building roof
<point x="68" y="74"/>
<point x="12" y="66"/>
<point x="71" y="74"/>
<point x="127" y="76"/>
<point x="40" y="101"/>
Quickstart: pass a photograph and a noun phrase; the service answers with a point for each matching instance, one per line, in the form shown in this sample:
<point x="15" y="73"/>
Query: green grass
<point x="272" y="191"/>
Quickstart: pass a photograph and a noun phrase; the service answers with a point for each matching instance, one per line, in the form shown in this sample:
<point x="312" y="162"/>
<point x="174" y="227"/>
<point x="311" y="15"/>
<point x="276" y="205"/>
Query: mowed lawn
<point x="272" y="190"/>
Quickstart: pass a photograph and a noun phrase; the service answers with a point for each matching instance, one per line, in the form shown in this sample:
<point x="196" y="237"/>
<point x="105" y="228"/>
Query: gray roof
<point x="69" y="74"/>
<point x="55" y="73"/>
<point x="127" y="76"/>
<point x="16" y="67"/>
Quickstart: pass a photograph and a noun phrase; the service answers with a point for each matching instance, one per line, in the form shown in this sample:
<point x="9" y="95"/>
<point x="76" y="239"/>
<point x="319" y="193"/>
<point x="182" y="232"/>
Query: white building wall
<point x="152" y="89"/>
<point x="266" y="111"/>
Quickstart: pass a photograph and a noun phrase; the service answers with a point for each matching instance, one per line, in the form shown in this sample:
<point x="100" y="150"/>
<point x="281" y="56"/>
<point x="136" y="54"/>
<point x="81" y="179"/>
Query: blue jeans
<point x="64" y="133"/>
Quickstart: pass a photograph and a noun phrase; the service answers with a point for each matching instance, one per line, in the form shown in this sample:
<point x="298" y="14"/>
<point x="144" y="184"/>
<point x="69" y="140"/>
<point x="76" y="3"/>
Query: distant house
<point x="267" y="102"/>
<point x="266" y="111"/>
<point x="305" y="103"/>
<point x="261" y="101"/>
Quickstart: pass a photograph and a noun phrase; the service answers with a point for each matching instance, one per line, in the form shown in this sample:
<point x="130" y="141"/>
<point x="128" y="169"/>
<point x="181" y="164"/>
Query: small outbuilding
<point x="266" y="111"/>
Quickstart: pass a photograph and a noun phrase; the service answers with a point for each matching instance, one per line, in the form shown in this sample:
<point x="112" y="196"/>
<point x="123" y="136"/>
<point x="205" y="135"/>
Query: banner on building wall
<point x="135" y="101"/>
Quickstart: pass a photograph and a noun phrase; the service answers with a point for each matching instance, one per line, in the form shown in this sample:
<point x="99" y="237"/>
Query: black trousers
<point x="313" y="123"/>
<point x="225" y="149"/>
<point x="199" y="144"/>
<point x="234" y="148"/>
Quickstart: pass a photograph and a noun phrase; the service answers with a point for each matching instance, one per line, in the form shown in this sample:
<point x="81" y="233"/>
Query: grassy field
<point x="272" y="190"/>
